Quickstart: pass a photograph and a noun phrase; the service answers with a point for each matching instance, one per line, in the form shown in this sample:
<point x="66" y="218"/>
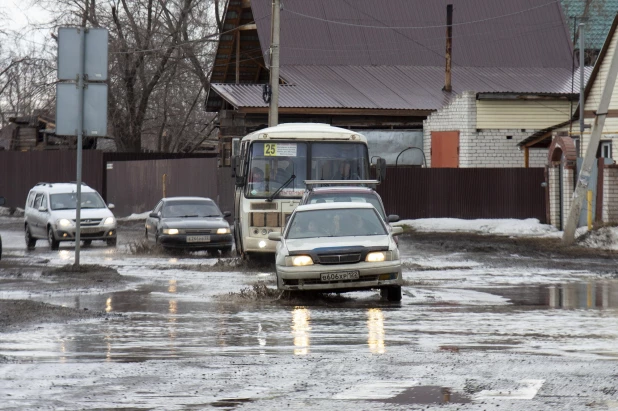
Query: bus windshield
<point x="271" y="165"/>
<point x="339" y="161"/>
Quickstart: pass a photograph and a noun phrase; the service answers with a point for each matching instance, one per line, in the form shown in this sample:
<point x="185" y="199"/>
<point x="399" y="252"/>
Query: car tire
<point x="392" y="293"/>
<point x="112" y="242"/>
<point x="0" y="248"/>
<point x="146" y="234"/>
<point x="53" y="243"/>
<point x="226" y="251"/>
<point x="87" y="243"/>
<point x="30" y="241"/>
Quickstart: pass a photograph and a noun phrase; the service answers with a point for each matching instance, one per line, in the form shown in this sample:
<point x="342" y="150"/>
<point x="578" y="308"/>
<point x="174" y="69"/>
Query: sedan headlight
<point x="170" y="231"/>
<point x="377" y="256"/>
<point x="109" y="221"/>
<point x="65" y="223"/>
<point x="299" y="260"/>
<point x="223" y="230"/>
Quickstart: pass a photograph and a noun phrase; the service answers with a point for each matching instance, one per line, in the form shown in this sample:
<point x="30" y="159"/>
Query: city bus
<point x="271" y="167"/>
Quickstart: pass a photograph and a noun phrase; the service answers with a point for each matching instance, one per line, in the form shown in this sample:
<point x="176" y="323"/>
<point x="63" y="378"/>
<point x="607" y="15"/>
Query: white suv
<point x="50" y="213"/>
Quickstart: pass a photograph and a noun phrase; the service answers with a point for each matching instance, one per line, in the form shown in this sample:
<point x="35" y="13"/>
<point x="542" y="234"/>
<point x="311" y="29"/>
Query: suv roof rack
<point x="310" y="183"/>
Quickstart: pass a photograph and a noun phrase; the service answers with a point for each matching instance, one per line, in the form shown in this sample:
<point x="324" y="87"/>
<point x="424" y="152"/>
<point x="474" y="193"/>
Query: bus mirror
<point x="235" y="147"/>
<point x="234" y="162"/>
<point x="380" y="169"/>
<point x="240" y="181"/>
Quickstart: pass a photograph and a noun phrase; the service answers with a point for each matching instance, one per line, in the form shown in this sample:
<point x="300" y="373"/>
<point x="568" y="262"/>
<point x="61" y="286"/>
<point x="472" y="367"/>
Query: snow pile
<point x="12" y="212"/>
<point x="133" y="217"/>
<point x="530" y="227"/>
<point x="605" y="238"/>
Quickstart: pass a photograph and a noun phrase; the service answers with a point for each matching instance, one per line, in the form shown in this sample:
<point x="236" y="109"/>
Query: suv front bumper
<point x="86" y="233"/>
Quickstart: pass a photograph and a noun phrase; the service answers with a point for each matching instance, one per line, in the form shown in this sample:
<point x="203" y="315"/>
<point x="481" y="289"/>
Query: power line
<point x="418" y="27"/>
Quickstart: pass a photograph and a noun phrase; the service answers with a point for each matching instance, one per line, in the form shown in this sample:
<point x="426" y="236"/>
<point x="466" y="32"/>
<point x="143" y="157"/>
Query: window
<point x="606" y="149"/>
<point x="272" y="164"/>
<point x="187" y="209"/>
<point x="337" y="222"/>
<point x="339" y="161"/>
<point x="38" y="200"/>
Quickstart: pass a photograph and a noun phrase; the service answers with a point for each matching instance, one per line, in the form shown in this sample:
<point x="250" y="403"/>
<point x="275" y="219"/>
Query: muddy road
<point x="486" y="323"/>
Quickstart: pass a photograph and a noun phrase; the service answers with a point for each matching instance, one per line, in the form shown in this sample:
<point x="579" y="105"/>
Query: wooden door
<point x="445" y="149"/>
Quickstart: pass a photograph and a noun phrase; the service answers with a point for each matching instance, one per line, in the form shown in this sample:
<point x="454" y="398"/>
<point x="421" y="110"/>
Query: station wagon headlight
<point x="299" y="260"/>
<point x="109" y="221"/>
<point x="377" y="256"/>
<point x="223" y="230"/>
<point x="170" y="231"/>
<point x="65" y="223"/>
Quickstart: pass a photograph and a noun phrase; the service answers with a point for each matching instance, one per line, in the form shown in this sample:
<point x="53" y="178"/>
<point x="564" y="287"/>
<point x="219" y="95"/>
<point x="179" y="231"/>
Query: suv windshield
<point x="317" y="198"/>
<point x="338" y="222"/>
<point x="190" y="209"/>
<point x="68" y="201"/>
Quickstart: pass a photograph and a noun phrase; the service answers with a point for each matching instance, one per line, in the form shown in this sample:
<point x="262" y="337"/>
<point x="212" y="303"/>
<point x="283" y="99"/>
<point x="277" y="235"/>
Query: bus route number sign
<point x="280" y="149"/>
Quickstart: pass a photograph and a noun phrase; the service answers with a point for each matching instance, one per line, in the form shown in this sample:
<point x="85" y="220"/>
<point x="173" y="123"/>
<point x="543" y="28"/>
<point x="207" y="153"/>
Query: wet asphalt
<point x="479" y="328"/>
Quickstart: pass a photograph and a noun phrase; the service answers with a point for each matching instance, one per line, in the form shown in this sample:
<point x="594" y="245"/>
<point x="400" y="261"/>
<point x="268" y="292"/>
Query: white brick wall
<point x="485" y="148"/>
<point x="610" y="195"/>
<point x="554" y="197"/>
<point x="567" y="193"/>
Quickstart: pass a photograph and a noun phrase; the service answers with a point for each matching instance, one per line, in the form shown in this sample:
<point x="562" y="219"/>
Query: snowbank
<point x="530" y="227"/>
<point x="11" y="212"/>
<point x="134" y="217"/>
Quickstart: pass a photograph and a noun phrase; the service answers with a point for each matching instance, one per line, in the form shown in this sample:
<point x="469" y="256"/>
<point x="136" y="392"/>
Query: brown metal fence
<point x="468" y="193"/>
<point x="20" y="171"/>
<point x="137" y="186"/>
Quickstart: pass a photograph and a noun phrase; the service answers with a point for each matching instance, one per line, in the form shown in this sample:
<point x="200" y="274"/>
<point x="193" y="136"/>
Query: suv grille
<point x="85" y="222"/>
<point x="339" y="258"/>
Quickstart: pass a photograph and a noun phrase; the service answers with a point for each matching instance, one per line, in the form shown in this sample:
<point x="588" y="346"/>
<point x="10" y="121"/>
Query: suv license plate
<point x="340" y="276"/>
<point x="198" y="238"/>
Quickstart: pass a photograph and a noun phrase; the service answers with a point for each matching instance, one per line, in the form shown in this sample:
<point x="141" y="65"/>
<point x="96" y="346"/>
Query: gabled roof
<point x="600" y="14"/>
<point x="389" y="55"/>
<point x="486" y="33"/>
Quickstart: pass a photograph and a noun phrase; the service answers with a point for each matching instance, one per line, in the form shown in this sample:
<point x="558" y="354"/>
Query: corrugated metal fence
<point x="134" y="183"/>
<point x="468" y="193"/>
<point x="20" y="171"/>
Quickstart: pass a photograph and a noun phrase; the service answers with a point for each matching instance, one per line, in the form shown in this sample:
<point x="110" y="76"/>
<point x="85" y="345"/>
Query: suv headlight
<point x="378" y="256"/>
<point x="298" y="260"/>
<point x="63" y="222"/>
<point x="170" y="231"/>
<point x="109" y="221"/>
<point x="223" y="230"/>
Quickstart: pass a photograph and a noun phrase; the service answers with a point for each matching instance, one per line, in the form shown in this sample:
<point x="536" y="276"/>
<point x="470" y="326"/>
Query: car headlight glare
<point x="376" y="257"/>
<point x="223" y="230"/>
<point x="170" y="231"/>
<point x="301" y="260"/>
<point x="109" y="221"/>
<point x="65" y="222"/>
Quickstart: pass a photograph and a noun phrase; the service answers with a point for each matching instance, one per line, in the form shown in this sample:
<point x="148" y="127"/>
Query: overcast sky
<point x="20" y="17"/>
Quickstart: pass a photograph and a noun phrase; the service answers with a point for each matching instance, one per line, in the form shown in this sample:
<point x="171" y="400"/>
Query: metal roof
<point x="486" y="33"/>
<point x="600" y="15"/>
<point x="396" y="88"/>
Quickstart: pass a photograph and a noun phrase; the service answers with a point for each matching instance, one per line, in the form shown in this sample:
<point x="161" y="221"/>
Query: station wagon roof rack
<point x="44" y="184"/>
<point x="310" y="183"/>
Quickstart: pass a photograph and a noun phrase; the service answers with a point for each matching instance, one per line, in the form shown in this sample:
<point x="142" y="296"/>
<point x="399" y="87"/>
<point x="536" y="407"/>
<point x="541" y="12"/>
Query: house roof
<point x="600" y="14"/>
<point x="390" y="55"/>
<point x="486" y="33"/>
<point x="395" y="87"/>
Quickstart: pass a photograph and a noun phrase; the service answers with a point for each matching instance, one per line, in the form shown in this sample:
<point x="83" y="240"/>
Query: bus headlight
<point x="223" y="230"/>
<point x="298" y="260"/>
<point x="170" y="231"/>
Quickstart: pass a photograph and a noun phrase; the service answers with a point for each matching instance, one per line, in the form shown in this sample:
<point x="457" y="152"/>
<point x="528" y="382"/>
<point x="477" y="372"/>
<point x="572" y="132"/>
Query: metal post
<point x="80" y="132"/>
<point x="582" y="126"/>
<point x="583" y="180"/>
<point x="273" y="112"/>
<point x="589" y="216"/>
<point x="449" y="47"/>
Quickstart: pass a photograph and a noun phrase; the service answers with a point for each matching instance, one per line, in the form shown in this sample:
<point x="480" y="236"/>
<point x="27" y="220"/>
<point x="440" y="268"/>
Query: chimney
<point x="449" y="47"/>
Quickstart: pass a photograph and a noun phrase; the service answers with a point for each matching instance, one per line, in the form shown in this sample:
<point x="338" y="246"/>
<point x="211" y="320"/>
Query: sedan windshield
<point x="345" y="197"/>
<point x="339" y="222"/>
<point x="187" y="209"/>
<point x="68" y="201"/>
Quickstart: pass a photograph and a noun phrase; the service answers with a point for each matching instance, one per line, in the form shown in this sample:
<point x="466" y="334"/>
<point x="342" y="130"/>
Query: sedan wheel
<point x="392" y="293"/>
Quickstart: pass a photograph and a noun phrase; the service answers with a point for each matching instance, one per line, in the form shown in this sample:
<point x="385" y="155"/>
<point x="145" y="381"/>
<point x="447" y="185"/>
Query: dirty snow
<point x="530" y="227"/>
<point x="134" y="217"/>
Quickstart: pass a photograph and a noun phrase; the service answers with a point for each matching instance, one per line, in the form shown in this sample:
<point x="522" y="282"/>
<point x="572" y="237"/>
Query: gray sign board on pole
<point x="95" y="109"/>
<point x="95" y="59"/>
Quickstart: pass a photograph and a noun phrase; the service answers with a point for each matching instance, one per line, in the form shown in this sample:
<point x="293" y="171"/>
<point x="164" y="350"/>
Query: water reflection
<point x="65" y="255"/>
<point x="375" y="324"/>
<point x="300" y="330"/>
<point x="108" y="305"/>
<point x="172" y="324"/>
<point x="172" y="286"/>
<point x="587" y="295"/>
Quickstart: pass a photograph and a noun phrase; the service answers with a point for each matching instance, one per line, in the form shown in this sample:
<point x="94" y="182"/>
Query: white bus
<point x="271" y="166"/>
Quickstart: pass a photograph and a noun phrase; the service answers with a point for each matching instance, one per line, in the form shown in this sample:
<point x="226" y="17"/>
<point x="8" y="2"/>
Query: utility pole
<point x="579" y="195"/>
<point x="273" y="111"/>
<point x="582" y="125"/>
